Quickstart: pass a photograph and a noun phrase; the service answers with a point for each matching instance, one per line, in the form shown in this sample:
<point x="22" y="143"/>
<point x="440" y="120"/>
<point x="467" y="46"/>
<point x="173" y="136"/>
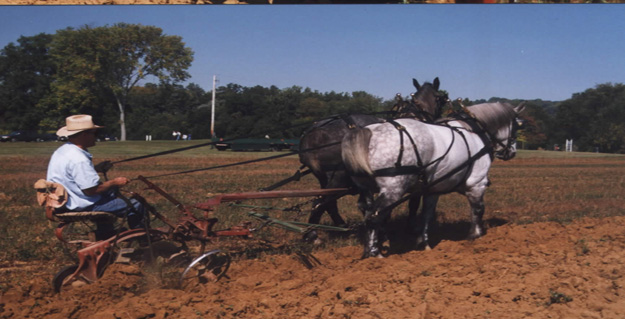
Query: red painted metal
<point x="93" y="258"/>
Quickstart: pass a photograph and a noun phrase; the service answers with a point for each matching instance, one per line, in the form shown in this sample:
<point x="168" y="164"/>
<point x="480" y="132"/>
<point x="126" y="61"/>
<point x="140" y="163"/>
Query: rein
<point x="477" y="127"/>
<point x="247" y="162"/>
<point x="106" y="165"/>
<point x="410" y="195"/>
<point x="419" y="169"/>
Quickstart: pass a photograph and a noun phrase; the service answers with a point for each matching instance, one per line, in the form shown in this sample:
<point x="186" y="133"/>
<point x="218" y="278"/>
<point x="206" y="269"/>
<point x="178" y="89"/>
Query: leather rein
<point x="472" y="125"/>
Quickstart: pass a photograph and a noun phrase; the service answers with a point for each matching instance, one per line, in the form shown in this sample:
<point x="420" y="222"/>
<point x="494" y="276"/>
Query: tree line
<point x="106" y="72"/>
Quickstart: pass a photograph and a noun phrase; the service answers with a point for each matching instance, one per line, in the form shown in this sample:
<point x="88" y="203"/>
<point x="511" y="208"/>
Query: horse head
<point x="501" y="122"/>
<point x="427" y="103"/>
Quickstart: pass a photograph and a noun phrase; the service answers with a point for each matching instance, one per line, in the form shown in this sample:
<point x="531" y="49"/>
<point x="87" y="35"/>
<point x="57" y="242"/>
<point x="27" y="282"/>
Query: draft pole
<point x="213" y="109"/>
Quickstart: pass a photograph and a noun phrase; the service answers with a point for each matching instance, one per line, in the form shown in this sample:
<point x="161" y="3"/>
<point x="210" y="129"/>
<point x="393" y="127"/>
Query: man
<point x="71" y="166"/>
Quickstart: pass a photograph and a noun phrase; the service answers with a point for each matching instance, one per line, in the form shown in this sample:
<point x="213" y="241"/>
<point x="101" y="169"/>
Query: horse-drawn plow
<point x="323" y="149"/>
<point x="196" y="262"/>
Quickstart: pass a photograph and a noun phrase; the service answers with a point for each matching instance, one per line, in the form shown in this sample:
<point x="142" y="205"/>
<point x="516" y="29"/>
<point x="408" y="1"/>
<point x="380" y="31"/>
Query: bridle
<point x="416" y="108"/>
<point x="506" y="144"/>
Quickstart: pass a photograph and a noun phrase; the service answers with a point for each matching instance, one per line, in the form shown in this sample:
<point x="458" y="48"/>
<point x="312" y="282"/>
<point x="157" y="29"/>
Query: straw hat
<point x="76" y="124"/>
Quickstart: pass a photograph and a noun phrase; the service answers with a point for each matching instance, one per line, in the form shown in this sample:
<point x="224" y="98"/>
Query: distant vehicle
<point x="20" y="136"/>
<point x="106" y="138"/>
<point x="258" y="144"/>
<point x="28" y="136"/>
<point x="99" y="138"/>
<point x="47" y="137"/>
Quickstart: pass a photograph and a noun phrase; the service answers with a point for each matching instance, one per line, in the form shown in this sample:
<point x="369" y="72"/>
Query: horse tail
<point x="355" y="151"/>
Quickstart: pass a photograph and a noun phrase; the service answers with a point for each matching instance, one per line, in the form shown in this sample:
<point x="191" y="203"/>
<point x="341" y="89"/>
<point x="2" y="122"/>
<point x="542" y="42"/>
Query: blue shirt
<point x="73" y="168"/>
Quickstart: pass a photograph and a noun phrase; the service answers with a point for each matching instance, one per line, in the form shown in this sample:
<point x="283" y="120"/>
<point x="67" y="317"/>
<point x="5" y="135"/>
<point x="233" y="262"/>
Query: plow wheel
<point x="209" y="267"/>
<point x="64" y="278"/>
<point x="61" y="277"/>
<point x="76" y="236"/>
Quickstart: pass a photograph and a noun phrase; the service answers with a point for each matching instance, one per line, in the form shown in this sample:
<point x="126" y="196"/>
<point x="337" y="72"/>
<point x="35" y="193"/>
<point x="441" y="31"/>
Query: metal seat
<point x="100" y="217"/>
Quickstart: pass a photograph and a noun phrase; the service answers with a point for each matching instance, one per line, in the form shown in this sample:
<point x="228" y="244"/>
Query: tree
<point x="108" y="62"/>
<point x="26" y="72"/>
<point x="158" y="110"/>
<point x="594" y="118"/>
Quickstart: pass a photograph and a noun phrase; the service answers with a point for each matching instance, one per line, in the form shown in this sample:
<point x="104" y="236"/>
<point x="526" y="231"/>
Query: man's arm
<point x="104" y="187"/>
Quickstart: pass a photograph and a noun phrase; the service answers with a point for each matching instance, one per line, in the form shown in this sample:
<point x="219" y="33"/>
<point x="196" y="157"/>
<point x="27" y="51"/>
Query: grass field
<point x="535" y="186"/>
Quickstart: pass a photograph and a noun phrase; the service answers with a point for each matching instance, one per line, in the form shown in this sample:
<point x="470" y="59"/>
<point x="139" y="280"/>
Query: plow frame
<point x="94" y="257"/>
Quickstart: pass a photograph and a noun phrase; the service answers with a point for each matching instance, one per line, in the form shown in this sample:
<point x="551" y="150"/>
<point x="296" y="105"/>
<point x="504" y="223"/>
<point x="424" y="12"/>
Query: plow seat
<point x="100" y="217"/>
<point x="53" y="197"/>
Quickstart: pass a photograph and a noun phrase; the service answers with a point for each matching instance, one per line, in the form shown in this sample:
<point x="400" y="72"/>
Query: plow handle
<point x="152" y="186"/>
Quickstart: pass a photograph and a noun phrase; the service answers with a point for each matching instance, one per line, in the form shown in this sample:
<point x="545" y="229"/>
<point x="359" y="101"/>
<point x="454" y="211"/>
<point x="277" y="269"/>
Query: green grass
<point x="564" y="155"/>
<point x="535" y="186"/>
<point x="137" y="148"/>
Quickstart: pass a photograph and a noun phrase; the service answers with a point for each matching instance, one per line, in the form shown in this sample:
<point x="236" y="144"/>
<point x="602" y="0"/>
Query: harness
<point x="414" y="108"/>
<point x="419" y="169"/>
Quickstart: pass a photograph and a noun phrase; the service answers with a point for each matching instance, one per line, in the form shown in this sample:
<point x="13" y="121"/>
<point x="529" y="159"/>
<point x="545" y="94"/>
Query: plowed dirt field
<point x="539" y="270"/>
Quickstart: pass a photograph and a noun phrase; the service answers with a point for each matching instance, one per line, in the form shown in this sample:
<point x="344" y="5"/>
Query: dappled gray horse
<point x="320" y="146"/>
<point x="416" y="158"/>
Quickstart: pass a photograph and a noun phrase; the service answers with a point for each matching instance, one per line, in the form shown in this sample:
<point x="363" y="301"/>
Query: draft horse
<point x="320" y="145"/>
<point x="413" y="158"/>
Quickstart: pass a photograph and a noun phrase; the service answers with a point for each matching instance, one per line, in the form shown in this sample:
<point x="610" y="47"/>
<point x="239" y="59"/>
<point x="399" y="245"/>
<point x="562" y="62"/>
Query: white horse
<point x="411" y="157"/>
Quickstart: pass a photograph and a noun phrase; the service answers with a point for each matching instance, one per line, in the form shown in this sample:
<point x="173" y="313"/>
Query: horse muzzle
<point x="507" y="153"/>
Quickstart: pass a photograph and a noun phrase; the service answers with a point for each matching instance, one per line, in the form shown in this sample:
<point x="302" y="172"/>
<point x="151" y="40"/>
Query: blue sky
<point x="477" y="51"/>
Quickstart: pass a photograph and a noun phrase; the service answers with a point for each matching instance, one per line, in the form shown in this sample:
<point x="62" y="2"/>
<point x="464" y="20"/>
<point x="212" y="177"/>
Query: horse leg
<point x="413" y="207"/>
<point x="365" y="201"/>
<point x="427" y="216"/>
<point x="318" y="207"/>
<point x="333" y="210"/>
<point x="317" y="210"/>
<point x="476" y="200"/>
<point x="375" y="219"/>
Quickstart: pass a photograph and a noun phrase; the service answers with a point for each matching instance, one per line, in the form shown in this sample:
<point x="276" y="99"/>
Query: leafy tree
<point x="26" y="72"/>
<point x="99" y="67"/>
<point x="158" y="110"/>
<point x="594" y="118"/>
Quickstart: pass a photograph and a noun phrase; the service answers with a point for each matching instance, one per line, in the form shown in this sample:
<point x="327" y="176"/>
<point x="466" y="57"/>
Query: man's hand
<point x="103" y="167"/>
<point x="106" y="186"/>
<point x="120" y="181"/>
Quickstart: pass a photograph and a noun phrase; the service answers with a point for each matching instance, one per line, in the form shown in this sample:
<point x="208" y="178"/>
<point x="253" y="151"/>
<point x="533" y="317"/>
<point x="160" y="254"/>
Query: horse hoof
<point x="311" y="237"/>
<point x="427" y="248"/>
<point x="474" y="235"/>
<point x="368" y="254"/>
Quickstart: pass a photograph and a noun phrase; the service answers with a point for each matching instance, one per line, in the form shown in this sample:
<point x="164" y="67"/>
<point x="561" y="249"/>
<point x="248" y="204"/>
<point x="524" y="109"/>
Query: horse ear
<point x="436" y="83"/>
<point x="519" y="108"/>
<point x="416" y="84"/>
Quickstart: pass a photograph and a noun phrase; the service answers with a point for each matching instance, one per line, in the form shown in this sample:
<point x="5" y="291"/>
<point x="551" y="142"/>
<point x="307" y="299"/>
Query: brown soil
<point x="540" y="270"/>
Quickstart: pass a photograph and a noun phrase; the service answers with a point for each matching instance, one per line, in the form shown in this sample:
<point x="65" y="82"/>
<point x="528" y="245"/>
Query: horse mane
<point x="493" y="115"/>
<point x="423" y="104"/>
<point x="421" y="95"/>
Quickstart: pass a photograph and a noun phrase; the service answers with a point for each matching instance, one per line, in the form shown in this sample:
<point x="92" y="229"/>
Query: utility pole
<point x="213" y="109"/>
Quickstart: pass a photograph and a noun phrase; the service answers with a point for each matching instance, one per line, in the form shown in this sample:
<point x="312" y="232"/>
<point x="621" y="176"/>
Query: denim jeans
<point x="112" y="204"/>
